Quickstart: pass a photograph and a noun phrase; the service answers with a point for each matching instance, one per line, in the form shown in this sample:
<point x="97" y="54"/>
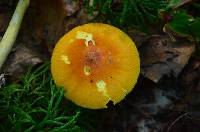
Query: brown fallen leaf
<point x="19" y="60"/>
<point x="4" y="20"/>
<point x="71" y="7"/>
<point x="189" y="78"/>
<point x="160" y="56"/>
<point x="43" y="24"/>
<point x="79" y="18"/>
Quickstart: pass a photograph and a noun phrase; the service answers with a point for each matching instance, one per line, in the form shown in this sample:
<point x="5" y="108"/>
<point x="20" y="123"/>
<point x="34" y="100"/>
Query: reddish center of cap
<point x="93" y="55"/>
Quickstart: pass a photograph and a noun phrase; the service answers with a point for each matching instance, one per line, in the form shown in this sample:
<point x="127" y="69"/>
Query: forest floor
<point x="166" y="97"/>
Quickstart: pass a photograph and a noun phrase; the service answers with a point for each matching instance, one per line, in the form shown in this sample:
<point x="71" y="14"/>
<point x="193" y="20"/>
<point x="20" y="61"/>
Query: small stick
<point x="10" y="35"/>
<point x="174" y="122"/>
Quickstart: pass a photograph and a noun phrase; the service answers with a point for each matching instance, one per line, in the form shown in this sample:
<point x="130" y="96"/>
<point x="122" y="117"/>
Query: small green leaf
<point x="180" y="23"/>
<point x="195" y="29"/>
<point x="176" y="3"/>
<point x="173" y="3"/>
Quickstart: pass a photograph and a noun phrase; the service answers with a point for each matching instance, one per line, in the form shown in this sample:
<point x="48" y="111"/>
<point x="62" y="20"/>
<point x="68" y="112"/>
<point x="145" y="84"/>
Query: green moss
<point x="36" y="104"/>
<point x="138" y="14"/>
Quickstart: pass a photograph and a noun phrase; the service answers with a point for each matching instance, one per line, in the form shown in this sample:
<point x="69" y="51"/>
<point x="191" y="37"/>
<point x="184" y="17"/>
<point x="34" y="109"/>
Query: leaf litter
<point x="166" y="97"/>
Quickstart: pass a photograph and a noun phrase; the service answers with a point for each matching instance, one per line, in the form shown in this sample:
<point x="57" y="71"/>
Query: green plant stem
<point x="10" y="35"/>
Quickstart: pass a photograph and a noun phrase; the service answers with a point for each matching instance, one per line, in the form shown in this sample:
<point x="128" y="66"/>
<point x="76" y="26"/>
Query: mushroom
<point x="95" y="63"/>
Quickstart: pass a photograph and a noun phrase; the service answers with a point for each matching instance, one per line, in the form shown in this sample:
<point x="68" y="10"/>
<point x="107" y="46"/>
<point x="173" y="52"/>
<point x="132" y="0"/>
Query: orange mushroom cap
<point x="95" y="63"/>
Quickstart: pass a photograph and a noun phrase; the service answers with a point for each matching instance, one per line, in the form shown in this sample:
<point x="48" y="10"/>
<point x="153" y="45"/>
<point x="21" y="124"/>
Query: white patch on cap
<point x="87" y="70"/>
<point x="101" y="87"/>
<point x="65" y="59"/>
<point x="86" y="36"/>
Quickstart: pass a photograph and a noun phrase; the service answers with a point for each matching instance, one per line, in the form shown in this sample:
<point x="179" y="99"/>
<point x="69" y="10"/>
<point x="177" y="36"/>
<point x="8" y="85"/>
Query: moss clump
<point x="127" y="13"/>
<point x="35" y="104"/>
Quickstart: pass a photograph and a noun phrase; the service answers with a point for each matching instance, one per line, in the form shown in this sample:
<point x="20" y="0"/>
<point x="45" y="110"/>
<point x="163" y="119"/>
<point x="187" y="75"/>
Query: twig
<point x="10" y="35"/>
<point x="175" y="121"/>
